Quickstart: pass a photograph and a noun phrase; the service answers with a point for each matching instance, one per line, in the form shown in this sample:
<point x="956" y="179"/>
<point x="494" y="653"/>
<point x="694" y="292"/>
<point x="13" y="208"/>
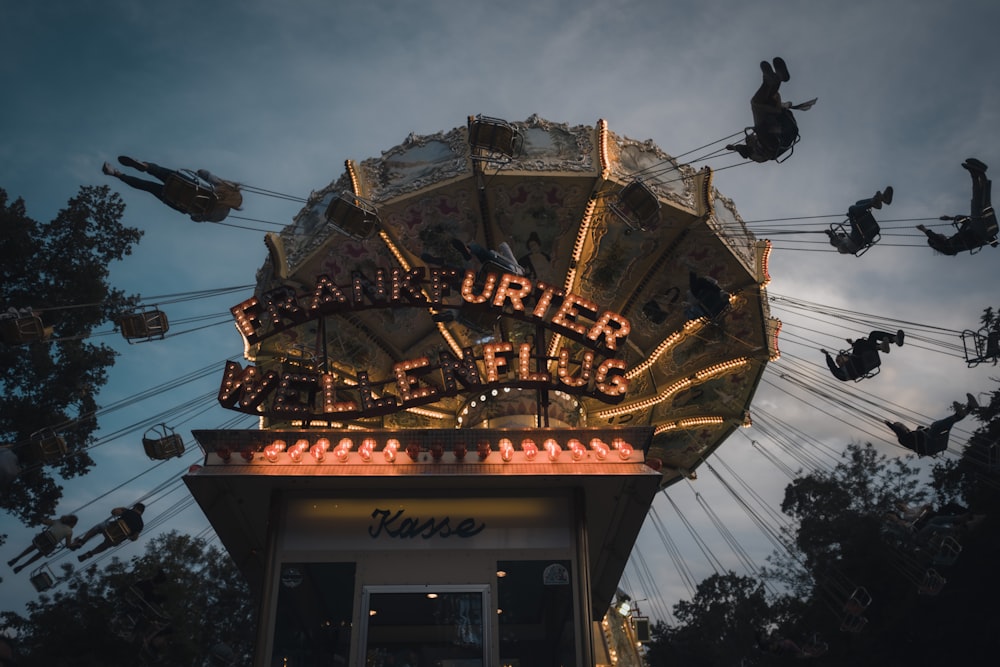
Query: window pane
<point x="536" y="613"/>
<point x="313" y="622"/>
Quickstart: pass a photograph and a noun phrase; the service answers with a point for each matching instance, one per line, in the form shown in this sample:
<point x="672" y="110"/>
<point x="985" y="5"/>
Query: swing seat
<point x="874" y="362"/>
<point x="976" y="233"/>
<point x="352" y="216"/>
<point x="493" y="140"/>
<point x="161" y="443"/>
<point x="947" y="549"/>
<point x="45" y="543"/>
<point x="25" y="327"/>
<point x="183" y="190"/>
<point x="981" y="346"/>
<point x="45" y="446"/>
<point x="144" y="326"/>
<point x="42" y="579"/>
<point x="863" y="230"/>
<point x="778" y="144"/>
<point x="637" y="206"/>
<point x="932" y="583"/>
<point x="853" y="624"/>
<point x="858" y="602"/>
<point x="116" y="531"/>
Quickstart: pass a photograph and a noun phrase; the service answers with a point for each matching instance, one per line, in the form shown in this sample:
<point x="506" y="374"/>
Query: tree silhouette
<point x="59" y="269"/>
<point x="169" y="606"/>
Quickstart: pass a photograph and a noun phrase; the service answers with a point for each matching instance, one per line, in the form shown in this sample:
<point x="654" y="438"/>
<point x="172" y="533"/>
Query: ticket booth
<point x="443" y="557"/>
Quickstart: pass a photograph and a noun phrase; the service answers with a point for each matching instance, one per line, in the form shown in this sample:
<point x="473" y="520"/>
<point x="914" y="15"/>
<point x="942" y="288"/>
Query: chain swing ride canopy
<point x="370" y="312"/>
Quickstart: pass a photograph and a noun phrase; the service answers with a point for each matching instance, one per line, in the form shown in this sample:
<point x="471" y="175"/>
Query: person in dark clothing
<point x="774" y="127"/>
<point x="132" y="516"/>
<point x="201" y="195"/>
<point x="864" y="228"/>
<point x="705" y="298"/>
<point x="979" y="227"/>
<point x="933" y="439"/>
<point x="863" y="357"/>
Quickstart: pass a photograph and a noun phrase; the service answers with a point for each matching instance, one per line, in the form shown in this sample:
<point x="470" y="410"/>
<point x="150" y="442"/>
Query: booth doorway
<point x="426" y="625"/>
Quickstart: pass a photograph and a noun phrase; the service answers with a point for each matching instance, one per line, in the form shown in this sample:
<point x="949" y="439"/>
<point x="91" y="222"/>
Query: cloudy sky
<point x="278" y="95"/>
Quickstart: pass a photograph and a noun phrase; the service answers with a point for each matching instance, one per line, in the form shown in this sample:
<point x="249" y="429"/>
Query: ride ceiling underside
<point x="558" y="204"/>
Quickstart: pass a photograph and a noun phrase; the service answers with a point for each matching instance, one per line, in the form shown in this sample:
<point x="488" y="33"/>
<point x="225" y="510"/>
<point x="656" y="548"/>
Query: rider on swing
<point x="976" y="229"/>
<point x="201" y="195"/>
<point x="774" y="128"/>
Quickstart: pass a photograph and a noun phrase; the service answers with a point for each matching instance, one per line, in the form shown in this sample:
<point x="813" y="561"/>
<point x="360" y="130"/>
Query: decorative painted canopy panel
<point x="598" y="224"/>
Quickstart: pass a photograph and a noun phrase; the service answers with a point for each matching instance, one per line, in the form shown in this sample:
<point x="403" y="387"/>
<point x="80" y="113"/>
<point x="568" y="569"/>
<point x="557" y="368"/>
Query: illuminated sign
<point x="324" y="396"/>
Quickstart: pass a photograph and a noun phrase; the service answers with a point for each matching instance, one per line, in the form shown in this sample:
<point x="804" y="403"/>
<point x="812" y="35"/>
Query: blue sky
<point x="278" y="95"/>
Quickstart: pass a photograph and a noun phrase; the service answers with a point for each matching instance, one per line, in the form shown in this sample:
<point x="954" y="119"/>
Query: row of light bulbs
<point x="366" y="449"/>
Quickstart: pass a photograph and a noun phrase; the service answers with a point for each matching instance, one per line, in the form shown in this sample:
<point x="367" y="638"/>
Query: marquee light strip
<point x="690" y="327"/>
<point x="355" y="186"/>
<point x="690" y="422"/>
<point x="765" y="263"/>
<point x="602" y="147"/>
<point x="680" y="385"/>
<point x="347" y="450"/>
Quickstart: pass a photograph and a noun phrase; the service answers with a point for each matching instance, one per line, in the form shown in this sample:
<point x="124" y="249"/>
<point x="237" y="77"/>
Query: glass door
<point x="425" y="626"/>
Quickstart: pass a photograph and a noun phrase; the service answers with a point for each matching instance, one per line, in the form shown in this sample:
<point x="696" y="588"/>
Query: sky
<point x="278" y="95"/>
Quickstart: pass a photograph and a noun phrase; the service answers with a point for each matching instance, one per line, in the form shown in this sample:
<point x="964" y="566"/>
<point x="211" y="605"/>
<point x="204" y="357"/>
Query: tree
<point x="718" y="626"/>
<point x="59" y="269"/>
<point x="97" y="618"/>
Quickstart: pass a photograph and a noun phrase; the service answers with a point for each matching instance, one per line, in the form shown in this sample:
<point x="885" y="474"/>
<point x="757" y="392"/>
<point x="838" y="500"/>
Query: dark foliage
<point x="59" y="269"/>
<point x="96" y="618"/>
<point x="842" y="545"/>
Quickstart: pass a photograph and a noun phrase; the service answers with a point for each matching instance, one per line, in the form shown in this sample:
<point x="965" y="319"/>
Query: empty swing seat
<point x="948" y="550"/>
<point x="45" y="446"/>
<point x="932" y="583"/>
<point x="852" y="623"/>
<point x="493" y="139"/>
<point x="42" y="579"/>
<point x="858" y="602"/>
<point x="18" y="329"/>
<point x="144" y="326"/>
<point x="352" y="216"/>
<point x="161" y="443"/>
<point x="637" y="206"/>
<point x="981" y="346"/>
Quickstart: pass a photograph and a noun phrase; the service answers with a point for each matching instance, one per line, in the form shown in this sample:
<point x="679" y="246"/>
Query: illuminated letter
<point x="612" y="326"/>
<point x="493" y="362"/>
<point x="454" y="371"/>
<point x="247" y="316"/>
<point x="283" y="308"/>
<point x="330" y="403"/>
<point x="505" y="292"/>
<point x="326" y="297"/>
<point x="442" y="281"/>
<point x="565" y="317"/>
<point x="407" y="285"/>
<point x="613" y="368"/>
<point x="545" y="299"/>
<point x="469" y="284"/>
<point x="524" y="373"/>
<point x="586" y="366"/>
<point x="288" y="400"/>
<point x="404" y="381"/>
<point x="245" y="387"/>
<point x="371" y="405"/>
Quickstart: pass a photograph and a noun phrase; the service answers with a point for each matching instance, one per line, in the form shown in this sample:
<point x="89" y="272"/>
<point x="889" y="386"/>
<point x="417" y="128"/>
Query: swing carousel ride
<point x="511" y="275"/>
